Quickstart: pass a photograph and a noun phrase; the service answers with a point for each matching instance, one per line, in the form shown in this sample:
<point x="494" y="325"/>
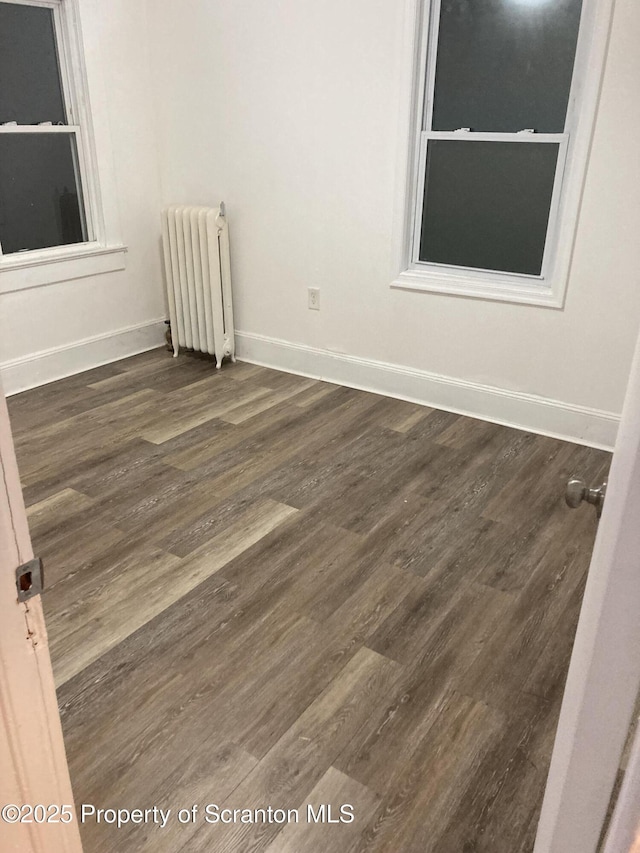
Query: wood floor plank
<point x="442" y="654"/>
<point x="501" y="797"/>
<point x="403" y="416"/>
<point x="109" y="612"/>
<point x="285" y="693"/>
<point x="546" y="676"/>
<point x="30" y="410"/>
<point x="513" y="650"/>
<point x="54" y="515"/>
<point x="424" y="791"/>
<point x="85" y="435"/>
<point x="68" y="557"/>
<point x="302" y="756"/>
<point x="104" y="613"/>
<point x="318" y="391"/>
<point x="242" y="413"/>
<point x="134" y="700"/>
<point x="195" y="409"/>
<point x="207" y="445"/>
<point x="334" y="790"/>
<point x="159" y="375"/>
<point x="176" y="498"/>
<point x="190" y="770"/>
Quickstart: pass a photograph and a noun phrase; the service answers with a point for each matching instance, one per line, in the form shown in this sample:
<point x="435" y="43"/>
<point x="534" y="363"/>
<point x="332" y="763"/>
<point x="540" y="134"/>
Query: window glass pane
<point x="40" y="195"/>
<point x="486" y="204"/>
<point x="505" y="65"/>
<point x="30" y="89"/>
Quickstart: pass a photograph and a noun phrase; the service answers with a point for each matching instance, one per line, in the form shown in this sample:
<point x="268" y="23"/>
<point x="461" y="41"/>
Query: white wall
<point x="62" y="328"/>
<point x="290" y="112"/>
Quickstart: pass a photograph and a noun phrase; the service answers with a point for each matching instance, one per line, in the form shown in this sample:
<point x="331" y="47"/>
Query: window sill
<point x="472" y="287"/>
<point x="37" y="269"/>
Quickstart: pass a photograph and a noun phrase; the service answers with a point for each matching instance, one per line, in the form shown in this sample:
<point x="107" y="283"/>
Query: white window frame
<point x="548" y="289"/>
<point x="103" y="251"/>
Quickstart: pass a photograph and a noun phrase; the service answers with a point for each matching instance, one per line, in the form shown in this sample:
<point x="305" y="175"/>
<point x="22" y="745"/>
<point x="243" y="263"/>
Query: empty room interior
<point x="316" y="325"/>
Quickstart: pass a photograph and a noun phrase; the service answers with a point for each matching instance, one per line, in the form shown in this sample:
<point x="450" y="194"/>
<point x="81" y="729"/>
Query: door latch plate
<point x="30" y="579"/>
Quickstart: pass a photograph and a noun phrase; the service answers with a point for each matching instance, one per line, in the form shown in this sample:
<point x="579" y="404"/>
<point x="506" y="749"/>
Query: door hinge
<point x="30" y="579"/>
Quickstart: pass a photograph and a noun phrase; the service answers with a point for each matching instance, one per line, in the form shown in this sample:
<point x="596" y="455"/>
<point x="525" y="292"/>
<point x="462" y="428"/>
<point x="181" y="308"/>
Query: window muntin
<point x="42" y="203"/>
<point x="466" y="100"/>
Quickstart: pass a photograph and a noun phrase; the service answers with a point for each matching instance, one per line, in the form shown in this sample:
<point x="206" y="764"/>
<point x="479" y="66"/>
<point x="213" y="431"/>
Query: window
<point x="499" y="100"/>
<point x="49" y="210"/>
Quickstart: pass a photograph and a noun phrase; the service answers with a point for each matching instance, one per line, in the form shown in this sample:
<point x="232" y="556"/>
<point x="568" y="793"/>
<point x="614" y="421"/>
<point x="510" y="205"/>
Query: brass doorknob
<point x="578" y="491"/>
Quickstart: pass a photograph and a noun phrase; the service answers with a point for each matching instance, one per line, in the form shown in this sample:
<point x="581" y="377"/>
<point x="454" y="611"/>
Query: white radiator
<point x="198" y="272"/>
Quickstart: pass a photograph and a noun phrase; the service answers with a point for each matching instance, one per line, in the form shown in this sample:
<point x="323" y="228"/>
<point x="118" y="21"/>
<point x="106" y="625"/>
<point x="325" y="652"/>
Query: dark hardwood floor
<point x="264" y="590"/>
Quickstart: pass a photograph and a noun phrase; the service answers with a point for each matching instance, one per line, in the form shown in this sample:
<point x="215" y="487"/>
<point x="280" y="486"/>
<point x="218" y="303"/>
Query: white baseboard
<point x="554" y="418"/>
<point x="48" y="365"/>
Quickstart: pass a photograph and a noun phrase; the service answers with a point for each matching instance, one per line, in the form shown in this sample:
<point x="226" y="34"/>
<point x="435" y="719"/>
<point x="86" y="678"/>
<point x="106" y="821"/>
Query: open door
<point x="604" y="674"/>
<point x="33" y="765"/>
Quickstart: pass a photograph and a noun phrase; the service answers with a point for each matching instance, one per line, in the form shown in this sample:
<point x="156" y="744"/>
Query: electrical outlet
<point x="314" y="298"/>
